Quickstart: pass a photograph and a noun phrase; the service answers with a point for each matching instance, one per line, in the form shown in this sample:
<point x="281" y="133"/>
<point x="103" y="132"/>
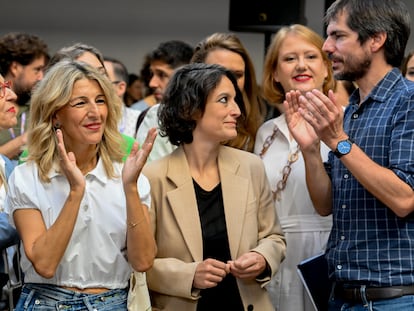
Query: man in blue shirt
<point x="367" y="183"/>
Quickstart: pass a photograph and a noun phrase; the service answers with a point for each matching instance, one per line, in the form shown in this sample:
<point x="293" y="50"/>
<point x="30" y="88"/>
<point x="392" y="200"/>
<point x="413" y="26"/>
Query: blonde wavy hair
<point x="251" y="95"/>
<point x="52" y="93"/>
<point x="272" y="90"/>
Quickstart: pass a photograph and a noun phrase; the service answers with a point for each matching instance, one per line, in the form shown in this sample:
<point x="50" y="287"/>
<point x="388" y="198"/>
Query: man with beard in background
<point x="23" y="58"/>
<point x="367" y="184"/>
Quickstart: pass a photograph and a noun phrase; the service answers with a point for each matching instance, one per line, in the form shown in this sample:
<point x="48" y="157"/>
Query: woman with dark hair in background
<point x="407" y="67"/>
<point x="226" y="49"/>
<point x="135" y="90"/>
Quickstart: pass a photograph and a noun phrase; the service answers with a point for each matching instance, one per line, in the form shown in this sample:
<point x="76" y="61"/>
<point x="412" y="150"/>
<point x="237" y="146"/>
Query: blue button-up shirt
<point x="369" y="244"/>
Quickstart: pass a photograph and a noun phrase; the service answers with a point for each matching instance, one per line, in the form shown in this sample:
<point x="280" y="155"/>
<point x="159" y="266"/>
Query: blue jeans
<point x="51" y="297"/>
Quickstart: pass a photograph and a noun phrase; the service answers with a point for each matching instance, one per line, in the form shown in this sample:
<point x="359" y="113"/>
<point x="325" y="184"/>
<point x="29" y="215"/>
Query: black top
<point x="225" y="296"/>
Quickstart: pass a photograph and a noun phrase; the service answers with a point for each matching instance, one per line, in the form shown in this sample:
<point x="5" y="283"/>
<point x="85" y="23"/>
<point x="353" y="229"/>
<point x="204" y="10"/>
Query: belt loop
<point x="363" y="294"/>
<point x="334" y="287"/>
<point x="29" y="298"/>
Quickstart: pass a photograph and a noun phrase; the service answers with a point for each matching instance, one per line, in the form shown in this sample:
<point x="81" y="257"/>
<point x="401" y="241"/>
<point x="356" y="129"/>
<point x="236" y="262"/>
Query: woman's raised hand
<point x="137" y="158"/>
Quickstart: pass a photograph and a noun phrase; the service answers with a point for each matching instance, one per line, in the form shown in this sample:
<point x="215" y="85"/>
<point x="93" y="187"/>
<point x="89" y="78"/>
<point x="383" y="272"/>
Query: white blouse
<point x="96" y="253"/>
<point x="295" y="209"/>
<point x="128" y="123"/>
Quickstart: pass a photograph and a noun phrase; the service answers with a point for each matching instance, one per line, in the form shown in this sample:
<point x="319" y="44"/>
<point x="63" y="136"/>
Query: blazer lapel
<point x="184" y="204"/>
<point x="235" y="192"/>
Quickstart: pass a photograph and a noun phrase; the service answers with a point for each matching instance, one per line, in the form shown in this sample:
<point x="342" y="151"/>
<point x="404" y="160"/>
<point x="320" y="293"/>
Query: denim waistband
<point x="47" y="293"/>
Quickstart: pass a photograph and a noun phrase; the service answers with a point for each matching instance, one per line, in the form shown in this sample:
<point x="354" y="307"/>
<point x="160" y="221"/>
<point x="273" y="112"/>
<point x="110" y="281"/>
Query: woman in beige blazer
<point x="218" y="235"/>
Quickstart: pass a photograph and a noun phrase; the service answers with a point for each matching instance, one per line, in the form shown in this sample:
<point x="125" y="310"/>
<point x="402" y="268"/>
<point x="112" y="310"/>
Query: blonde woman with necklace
<point x="294" y="61"/>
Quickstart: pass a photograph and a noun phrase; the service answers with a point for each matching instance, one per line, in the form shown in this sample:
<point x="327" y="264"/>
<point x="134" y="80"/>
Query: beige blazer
<point x="252" y="224"/>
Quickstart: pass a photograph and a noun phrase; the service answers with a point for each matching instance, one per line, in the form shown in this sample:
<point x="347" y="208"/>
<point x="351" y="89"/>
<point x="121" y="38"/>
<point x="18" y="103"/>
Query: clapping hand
<point x="324" y="114"/>
<point x="137" y="159"/>
<point x="300" y="128"/>
<point x="68" y="165"/>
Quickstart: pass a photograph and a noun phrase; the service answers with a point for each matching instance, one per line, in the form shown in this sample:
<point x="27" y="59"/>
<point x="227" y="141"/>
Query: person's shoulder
<point x="244" y="157"/>
<point x="139" y="105"/>
<point x="28" y="165"/>
<point x="25" y="170"/>
<point x="153" y="109"/>
<point x="7" y="164"/>
<point x="409" y="85"/>
<point x="144" y="103"/>
<point x="266" y="124"/>
<point x="400" y="82"/>
<point x="243" y="163"/>
<point x="405" y="89"/>
<point x="394" y="89"/>
<point x="151" y="113"/>
<point x="156" y="168"/>
<point x="150" y="120"/>
<point x="132" y="112"/>
<point x="270" y="124"/>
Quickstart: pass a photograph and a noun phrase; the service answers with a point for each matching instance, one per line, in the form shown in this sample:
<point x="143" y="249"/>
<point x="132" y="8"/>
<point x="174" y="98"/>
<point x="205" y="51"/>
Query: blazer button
<point x="250" y="308"/>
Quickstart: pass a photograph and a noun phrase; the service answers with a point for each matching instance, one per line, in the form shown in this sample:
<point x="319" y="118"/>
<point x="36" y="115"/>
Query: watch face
<point x="344" y="147"/>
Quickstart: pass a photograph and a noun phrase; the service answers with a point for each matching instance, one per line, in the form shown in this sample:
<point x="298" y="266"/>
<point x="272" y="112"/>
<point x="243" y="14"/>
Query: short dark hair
<point x="370" y="17"/>
<point x="185" y="99"/>
<point x="174" y="53"/>
<point x="20" y="47"/>
<point x="132" y="77"/>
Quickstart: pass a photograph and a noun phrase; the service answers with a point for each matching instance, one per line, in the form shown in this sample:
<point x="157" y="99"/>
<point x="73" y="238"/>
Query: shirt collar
<point x="98" y="172"/>
<point x="381" y="92"/>
<point x="281" y="124"/>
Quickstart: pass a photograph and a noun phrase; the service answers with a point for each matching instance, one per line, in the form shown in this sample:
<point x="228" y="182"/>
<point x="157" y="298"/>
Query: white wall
<point x="127" y="29"/>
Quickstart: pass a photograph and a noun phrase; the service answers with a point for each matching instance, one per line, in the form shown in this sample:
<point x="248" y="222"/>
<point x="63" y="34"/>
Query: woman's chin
<point x="8" y="123"/>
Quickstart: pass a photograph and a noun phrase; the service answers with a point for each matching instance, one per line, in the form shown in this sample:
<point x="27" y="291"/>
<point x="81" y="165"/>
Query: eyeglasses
<point x="3" y="86"/>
